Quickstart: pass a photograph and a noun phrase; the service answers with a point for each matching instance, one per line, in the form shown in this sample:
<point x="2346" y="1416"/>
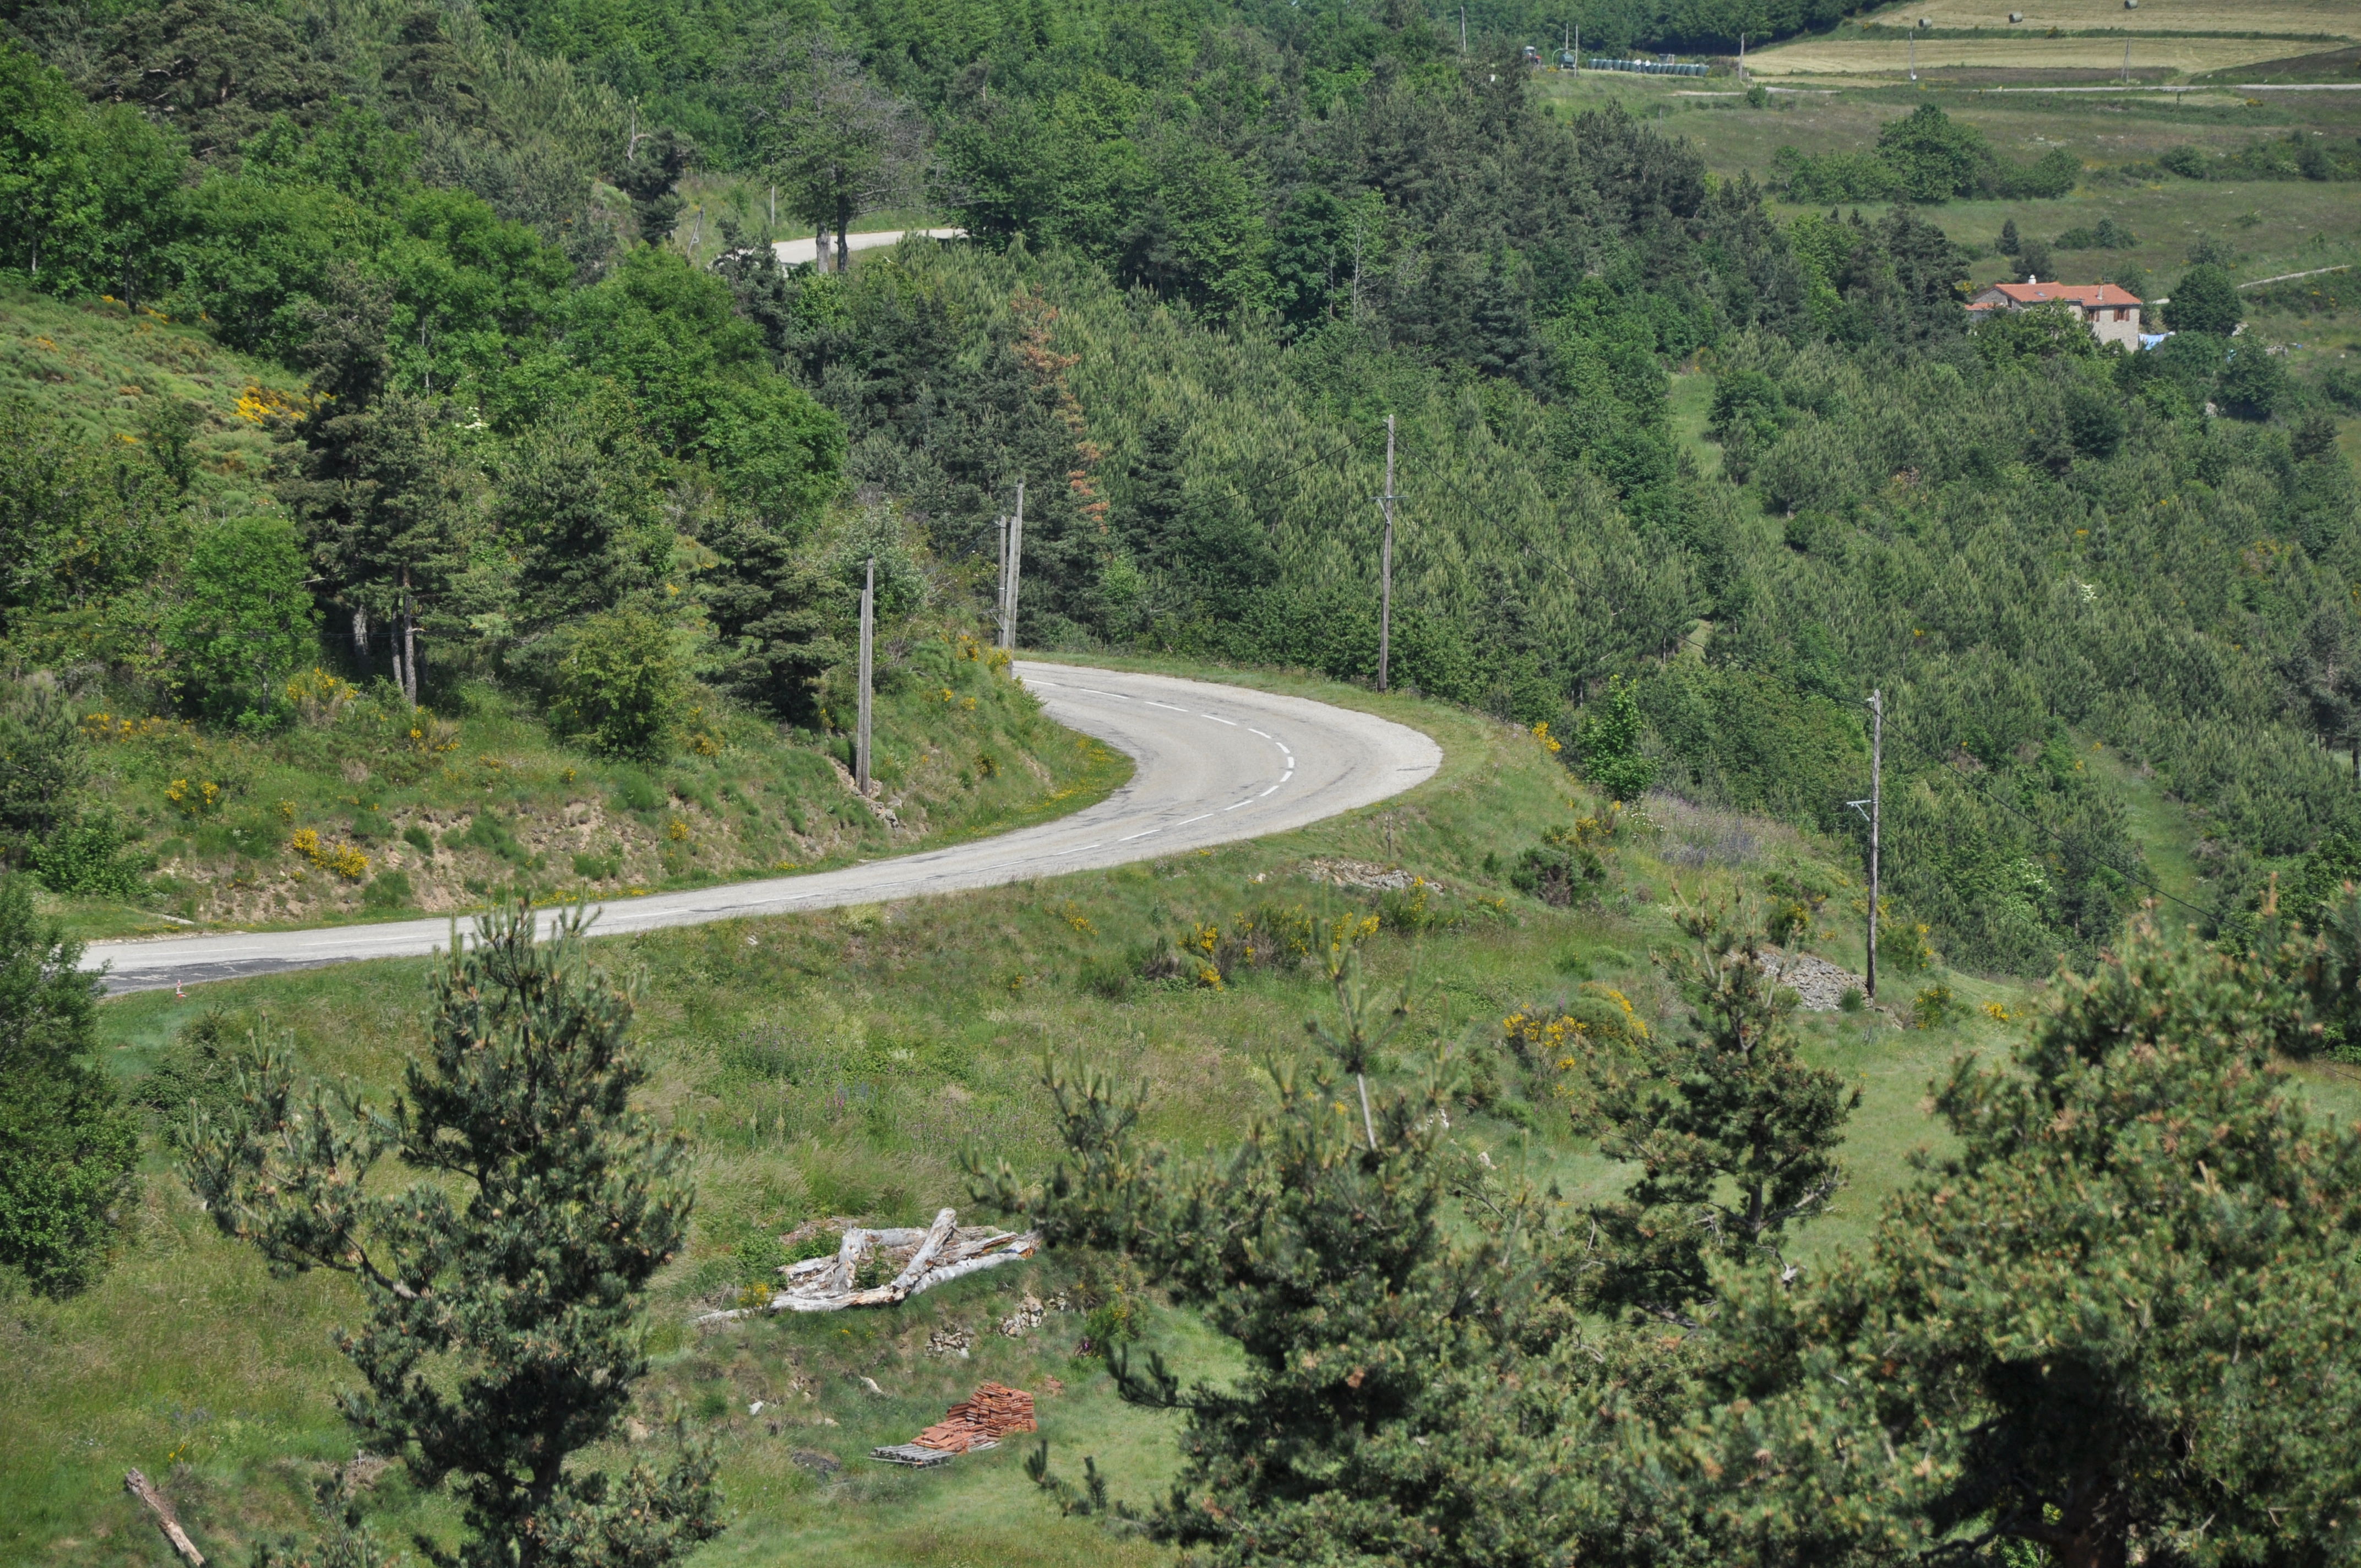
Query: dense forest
<point x="1214" y="247"/>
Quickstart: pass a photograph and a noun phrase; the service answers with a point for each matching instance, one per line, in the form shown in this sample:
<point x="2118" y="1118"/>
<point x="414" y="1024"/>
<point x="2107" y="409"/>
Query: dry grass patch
<point x="2297" y="19"/>
<point x="2187" y="54"/>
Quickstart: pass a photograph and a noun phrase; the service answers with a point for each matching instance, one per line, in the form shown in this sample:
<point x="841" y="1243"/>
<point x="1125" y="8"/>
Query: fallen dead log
<point x="923" y="1259"/>
<point x="168" y="1522"/>
<point x="945" y="1223"/>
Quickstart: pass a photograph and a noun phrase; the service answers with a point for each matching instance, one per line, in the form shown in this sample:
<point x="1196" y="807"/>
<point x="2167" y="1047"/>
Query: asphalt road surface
<point x="797" y="252"/>
<point x="1214" y="764"/>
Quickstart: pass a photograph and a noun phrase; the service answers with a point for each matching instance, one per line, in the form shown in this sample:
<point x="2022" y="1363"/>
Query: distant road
<point x="797" y="252"/>
<point x="2289" y="277"/>
<point x="1215" y="764"/>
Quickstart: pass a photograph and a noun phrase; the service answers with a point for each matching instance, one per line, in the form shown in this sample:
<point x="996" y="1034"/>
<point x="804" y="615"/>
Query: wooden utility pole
<point x="1386" y="569"/>
<point x="868" y="645"/>
<point x="1014" y="573"/>
<point x="1876" y="783"/>
<point x="1000" y="586"/>
<point x="410" y="642"/>
<point x="1742" y="57"/>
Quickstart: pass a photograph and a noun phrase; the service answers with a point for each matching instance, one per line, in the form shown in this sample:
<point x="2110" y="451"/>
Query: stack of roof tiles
<point x="981" y="1420"/>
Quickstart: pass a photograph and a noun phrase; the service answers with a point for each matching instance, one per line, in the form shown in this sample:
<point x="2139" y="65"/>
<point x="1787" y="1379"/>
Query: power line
<point x="2126" y="873"/>
<point x="1262" y="485"/>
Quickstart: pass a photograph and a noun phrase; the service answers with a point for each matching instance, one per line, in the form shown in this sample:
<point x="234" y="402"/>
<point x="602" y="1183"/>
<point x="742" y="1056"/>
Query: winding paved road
<point x="1215" y="764"/>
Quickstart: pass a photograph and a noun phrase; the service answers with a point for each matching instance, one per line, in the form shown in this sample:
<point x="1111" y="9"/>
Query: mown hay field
<point x="2301" y="18"/>
<point x="2188" y="54"/>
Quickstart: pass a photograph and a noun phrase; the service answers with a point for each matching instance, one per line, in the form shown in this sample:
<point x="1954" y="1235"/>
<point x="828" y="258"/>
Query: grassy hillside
<point x="361" y="809"/>
<point x="840" y="1064"/>
<point x="419" y="812"/>
<point x="111" y="370"/>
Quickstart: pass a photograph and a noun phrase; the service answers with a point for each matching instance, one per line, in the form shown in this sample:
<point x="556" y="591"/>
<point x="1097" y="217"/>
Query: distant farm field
<point x="2185" y="54"/>
<point x="2306" y="19"/>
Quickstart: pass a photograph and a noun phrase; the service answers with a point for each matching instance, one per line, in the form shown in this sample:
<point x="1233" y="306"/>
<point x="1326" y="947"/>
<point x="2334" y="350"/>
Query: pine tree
<point x="653" y="162"/>
<point x="67" y="1148"/>
<point x="502" y="1289"/>
<point x="1401" y="1397"/>
<point x="1154" y="512"/>
<point x="2116" y="1325"/>
<point x="1736" y="1142"/>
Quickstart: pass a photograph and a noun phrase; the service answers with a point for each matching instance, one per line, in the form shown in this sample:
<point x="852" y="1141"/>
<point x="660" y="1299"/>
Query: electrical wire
<point x="1265" y="484"/>
<point x="1978" y="784"/>
<point x="1483" y="515"/>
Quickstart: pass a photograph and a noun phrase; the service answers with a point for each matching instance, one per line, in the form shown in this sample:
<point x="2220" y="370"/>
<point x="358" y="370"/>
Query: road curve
<point x="802" y="252"/>
<point x="1214" y="764"/>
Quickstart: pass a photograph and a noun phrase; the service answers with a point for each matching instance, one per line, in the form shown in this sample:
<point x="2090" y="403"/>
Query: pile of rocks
<point x="1820" y="984"/>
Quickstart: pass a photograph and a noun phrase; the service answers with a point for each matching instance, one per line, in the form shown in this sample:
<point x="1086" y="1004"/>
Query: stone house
<point x="2112" y="314"/>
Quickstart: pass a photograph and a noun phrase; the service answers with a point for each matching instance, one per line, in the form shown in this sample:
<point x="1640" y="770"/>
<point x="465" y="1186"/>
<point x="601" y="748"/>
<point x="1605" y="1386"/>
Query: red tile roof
<point x="2086" y="296"/>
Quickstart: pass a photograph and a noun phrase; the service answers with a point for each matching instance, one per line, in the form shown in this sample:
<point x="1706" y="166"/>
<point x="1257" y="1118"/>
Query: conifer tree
<point x="502" y="1289"/>
<point x="1399" y="1401"/>
<point x="67" y="1148"/>
<point x="1736" y="1143"/>
<point x="2116" y="1326"/>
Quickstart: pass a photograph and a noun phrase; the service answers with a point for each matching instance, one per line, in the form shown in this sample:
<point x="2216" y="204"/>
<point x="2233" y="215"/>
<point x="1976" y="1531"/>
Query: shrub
<point x="2048" y="177"/>
<point x="2186" y="162"/>
<point x="636" y="791"/>
<point x="1902" y="944"/>
<point x="2108" y="235"/>
<point x="93" y="856"/>
<point x="388" y="890"/>
<point x="487" y="831"/>
<point x="618" y="685"/>
<point x="196" y="1068"/>
<point x="419" y="839"/>
<point x="1113" y="980"/>
<point x="343" y="859"/>
<point x="245" y="619"/>
<point x="1936" y="1006"/>
<point x="1558" y="872"/>
<point x="1412" y="912"/>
